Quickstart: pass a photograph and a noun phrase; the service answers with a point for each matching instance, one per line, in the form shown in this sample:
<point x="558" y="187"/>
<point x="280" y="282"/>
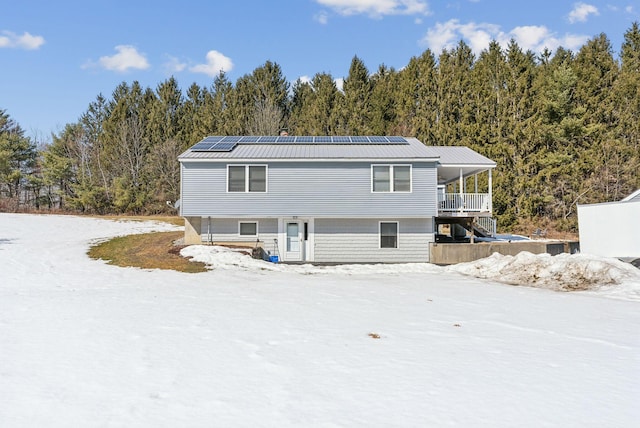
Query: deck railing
<point x="488" y="224"/>
<point x="464" y="202"/>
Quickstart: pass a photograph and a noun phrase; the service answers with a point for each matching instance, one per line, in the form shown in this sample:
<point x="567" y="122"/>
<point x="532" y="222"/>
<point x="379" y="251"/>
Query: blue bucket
<point x="273" y="259"/>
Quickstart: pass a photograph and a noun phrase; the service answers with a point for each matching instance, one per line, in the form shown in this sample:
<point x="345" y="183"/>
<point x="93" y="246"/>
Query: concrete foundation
<point x="446" y="254"/>
<point x="192" y="227"/>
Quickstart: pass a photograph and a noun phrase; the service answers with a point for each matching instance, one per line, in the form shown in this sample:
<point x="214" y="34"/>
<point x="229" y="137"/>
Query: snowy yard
<point x="86" y="344"/>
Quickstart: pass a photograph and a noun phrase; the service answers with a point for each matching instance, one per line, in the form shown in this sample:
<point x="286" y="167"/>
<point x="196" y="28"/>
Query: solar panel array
<point x="226" y="144"/>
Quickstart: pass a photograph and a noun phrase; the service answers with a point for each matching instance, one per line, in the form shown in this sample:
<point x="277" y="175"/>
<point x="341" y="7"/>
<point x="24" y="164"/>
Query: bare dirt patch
<point x="147" y="251"/>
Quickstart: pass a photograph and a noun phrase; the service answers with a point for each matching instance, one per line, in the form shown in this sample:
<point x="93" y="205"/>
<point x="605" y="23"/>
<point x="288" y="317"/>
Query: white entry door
<point x="293" y="250"/>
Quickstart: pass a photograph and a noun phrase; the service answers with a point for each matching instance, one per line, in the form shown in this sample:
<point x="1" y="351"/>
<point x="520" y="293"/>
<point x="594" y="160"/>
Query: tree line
<point x="563" y="127"/>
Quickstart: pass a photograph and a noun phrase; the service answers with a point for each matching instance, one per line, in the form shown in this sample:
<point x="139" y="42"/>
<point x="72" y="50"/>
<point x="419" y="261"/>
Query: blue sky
<point x="57" y="56"/>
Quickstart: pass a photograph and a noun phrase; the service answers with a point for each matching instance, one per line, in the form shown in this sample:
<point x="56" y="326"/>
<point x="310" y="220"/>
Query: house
<point x="329" y="199"/>
<point x="611" y="229"/>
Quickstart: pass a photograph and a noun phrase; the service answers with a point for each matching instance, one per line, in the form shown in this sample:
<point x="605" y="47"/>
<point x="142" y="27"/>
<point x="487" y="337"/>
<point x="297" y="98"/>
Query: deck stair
<point x="485" y="227"/>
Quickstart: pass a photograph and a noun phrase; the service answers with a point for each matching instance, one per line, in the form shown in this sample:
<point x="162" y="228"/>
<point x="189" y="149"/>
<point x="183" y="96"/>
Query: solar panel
<point x="397" y="139"/>
<point x="286" y="139"/>
<point x="267" y="139"/>
<point x="341" y="139"/>
<point x="231" y="139"/>
<point x="359" y="139"/>
<point x="202" y="146"/>
<point x="223" y="146"/>
<point x="214" y="139"/>
<point x="378" y="139"/>
<point x="228" y="143"/>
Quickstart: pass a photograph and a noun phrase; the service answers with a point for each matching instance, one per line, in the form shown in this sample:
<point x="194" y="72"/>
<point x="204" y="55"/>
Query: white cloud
<point x="478" y="36"/>
<point x="173" y="65"/>
<point x="305" y="79"/>
<point x="443" y="35"/>
<point x="377" y="8"/>
<point x="581" y="12"/>
<point x="216" y="62"/>
<point x="127" y="58"/>
<point x="529" y="37"/>
<point x="26" y="41"/>
<point x="322" y="18"/>
<point x="339" y="84"/>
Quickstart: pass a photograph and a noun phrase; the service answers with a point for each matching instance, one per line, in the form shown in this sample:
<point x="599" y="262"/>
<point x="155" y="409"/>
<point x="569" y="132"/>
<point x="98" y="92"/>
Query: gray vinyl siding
<point x="226" y="230"/>
<point x="358" y="240"/>
<point x="311" y="189"/>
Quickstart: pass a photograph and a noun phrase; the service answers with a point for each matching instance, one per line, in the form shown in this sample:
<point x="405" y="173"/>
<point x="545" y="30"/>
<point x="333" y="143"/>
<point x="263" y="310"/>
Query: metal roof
<point x="412" y="149"/>
<point x="460" y="156"/>
<point x="341" y="148"/>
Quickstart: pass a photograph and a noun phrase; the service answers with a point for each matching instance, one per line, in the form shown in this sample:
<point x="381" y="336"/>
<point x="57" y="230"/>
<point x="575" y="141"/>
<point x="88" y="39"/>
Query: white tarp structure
<point x="611" y="229"/>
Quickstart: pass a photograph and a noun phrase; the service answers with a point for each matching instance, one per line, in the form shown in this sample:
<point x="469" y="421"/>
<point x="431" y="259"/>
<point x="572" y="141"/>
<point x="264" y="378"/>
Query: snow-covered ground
<point x="249" y="343"/>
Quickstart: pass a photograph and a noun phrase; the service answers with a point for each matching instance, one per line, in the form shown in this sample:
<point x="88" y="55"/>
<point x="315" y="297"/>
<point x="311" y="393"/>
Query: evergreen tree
<point x="355" y="111"/>
<point x="454" y="104"/>
<point x="600" y="152"/>
<point x="17" y="161"/>
<point x="490" y="123"/>
<point x="164" y="112"/>
<point x="520" y="122"/>
<point x="299" y="119"/>
<point x="416" y="98"/>
<point x="128" y="144"/>
<point x="625" y="171"/>
<point x="193" y="122"/>
<point x="259" y="98"/>
<point x="217" y="106"/>
<point x="383" y="108"/>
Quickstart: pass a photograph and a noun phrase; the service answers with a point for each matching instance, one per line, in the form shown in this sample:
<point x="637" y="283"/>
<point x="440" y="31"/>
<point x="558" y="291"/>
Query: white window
<point x="388" y="234"/>
<point x="247" y="178"/>
<point x="248" y="228"/>
<point x="391" y="178"/>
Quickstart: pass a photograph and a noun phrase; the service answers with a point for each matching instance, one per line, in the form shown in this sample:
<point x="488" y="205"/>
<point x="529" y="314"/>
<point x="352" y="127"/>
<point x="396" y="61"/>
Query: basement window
<point x="248" y="228"/>
<point x="388" y="234"/>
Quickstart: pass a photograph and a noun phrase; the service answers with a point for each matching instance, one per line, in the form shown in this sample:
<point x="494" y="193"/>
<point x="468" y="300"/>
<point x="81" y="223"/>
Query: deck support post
<point x="490" y="193"/>
<point x="461" y="191"/>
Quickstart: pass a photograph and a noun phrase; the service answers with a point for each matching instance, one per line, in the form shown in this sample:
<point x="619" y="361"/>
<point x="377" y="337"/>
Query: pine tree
<point x="17" y="161"/>
<point x="299" y="119"/>
<point x="192" y="121"/>
<point x="355" y="114"/>
<point x="416" y="99"/>
<point x="600" y="153"/>
<point x="627" y="110"/>
<point x="519" y="118"/>
<point x="383" y="101"/>
<point x="454" y="104"/>
<point x="490" y="126"/>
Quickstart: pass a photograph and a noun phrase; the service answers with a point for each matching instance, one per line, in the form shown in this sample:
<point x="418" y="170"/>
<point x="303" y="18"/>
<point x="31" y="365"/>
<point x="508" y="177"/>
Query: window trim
<point x="391" y="177"/>
<point x="380" y="235"/>
<point x="246" y="178"/>
<point x="240" y="223"/>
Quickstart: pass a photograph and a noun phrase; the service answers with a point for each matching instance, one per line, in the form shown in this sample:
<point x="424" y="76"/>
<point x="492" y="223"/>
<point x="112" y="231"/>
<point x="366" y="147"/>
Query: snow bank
<point x="564" y="272"/>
